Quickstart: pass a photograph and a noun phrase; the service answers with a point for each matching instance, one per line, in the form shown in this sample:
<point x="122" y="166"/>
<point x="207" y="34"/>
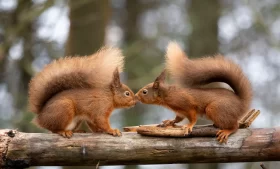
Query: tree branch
<point x="88" y="149"/>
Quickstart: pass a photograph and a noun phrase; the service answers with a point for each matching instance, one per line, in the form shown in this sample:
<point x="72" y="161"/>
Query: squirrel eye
<point x="126" y="93"/>
<point x="145" y="91"/>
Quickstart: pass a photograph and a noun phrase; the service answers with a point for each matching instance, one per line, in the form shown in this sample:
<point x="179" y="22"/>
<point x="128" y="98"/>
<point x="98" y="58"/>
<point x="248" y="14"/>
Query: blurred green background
<point x="34" y="32"/>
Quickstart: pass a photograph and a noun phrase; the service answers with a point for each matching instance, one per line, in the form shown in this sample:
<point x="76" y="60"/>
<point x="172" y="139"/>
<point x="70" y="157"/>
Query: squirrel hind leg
<point x="58" y="117"/>
<point x="222" y="115"/>
<point x="224" y="118"/>
<point x="65" y="133"/>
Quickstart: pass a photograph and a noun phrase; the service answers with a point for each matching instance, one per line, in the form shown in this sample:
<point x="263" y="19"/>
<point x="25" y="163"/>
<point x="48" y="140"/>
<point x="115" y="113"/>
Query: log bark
<point x="86" y="149"/>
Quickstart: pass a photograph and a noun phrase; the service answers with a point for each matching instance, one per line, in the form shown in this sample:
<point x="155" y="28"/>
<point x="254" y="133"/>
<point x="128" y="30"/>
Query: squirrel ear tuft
<point x="160" y="79"/>
<point x="116" y="83"/>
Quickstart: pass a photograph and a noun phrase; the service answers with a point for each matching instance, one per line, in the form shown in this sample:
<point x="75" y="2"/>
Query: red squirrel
<point x="188" y="99"/>
<point x="75" y="89"/>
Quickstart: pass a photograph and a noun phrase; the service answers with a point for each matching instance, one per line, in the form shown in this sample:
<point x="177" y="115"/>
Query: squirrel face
<point x="147" y="94"/>
<point x="123" y="97"/>
<point x="151" y="93"/>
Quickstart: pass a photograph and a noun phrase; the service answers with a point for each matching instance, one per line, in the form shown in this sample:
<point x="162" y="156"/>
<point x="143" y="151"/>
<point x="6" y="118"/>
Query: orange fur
<point x="201" y="71"/>
<point x="188" y="100"/>
<point x="74" y="89"/>
<point x="74" y="72"/>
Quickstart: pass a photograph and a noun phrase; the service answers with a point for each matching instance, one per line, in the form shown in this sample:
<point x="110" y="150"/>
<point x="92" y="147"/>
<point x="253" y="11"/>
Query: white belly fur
<point x="74" y="123"/>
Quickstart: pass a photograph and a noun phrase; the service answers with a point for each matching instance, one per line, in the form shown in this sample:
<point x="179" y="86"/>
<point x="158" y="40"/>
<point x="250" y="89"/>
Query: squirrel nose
<point x="136" y="97"/>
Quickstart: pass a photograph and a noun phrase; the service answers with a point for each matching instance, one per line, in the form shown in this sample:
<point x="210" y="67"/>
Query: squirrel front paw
<point x="167" y="123"/>
<point x="115" y="132"/>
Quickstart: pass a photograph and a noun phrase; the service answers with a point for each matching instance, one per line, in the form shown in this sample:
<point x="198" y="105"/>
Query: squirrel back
<point x="94" y="71"/>
<point x="197" y="72"/>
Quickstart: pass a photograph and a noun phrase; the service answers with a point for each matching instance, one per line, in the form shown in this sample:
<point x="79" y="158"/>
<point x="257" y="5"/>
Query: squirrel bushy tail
<point x="74" y="72"/>
<point x="197" y="72"/>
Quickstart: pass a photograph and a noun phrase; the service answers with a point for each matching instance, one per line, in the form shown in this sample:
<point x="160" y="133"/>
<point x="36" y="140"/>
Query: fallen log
<point x="19" y="150"/>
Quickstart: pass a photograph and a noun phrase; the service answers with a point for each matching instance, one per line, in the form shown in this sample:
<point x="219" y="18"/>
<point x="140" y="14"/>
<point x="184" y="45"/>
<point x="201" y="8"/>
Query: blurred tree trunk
<point x="204" y="16"/>
<point x="204" y="40"/>
<point x="88" y="21"/>
<point x="131" y="27"/>
<point x="132" y="37"/>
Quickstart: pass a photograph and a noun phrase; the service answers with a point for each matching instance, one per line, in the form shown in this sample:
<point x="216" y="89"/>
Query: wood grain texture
<point x="88" y="149"/>
<point x="177" y="131"/>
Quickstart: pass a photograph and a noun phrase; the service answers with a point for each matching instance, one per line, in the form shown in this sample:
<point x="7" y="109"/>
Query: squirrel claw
<point x="188" y="129"/>
<point x="115" y="132"/>
<point x="222" y="135"/>
<point x="65" y="134"/>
